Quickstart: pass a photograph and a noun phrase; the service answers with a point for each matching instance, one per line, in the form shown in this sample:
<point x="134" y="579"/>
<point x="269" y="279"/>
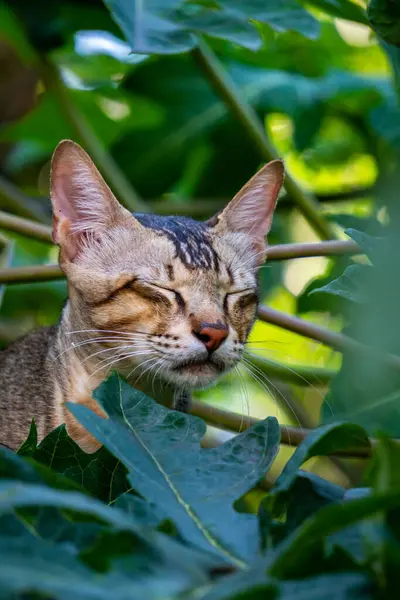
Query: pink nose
<point x="211" y="334"/>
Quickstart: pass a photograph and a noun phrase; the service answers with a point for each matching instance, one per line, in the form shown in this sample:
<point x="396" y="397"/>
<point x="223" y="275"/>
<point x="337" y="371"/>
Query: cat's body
<point x="26" y="380"/>
<point x="167" y="301"/>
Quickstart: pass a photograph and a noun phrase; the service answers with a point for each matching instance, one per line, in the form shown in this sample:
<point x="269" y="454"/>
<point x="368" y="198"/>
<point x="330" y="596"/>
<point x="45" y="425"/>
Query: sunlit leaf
<point x="343" y="9"/>
<point x="350" y="286"/>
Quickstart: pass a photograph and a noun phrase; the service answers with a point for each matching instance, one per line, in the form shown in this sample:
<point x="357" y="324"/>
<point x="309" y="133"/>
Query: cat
<point x="165" y="301"/>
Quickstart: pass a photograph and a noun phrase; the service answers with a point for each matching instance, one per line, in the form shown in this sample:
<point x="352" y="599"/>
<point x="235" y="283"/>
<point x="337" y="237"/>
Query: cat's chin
<point x="196" y="374"/>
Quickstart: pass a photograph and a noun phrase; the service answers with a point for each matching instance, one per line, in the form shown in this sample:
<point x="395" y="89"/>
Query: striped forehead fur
<point x="191" y="239"/>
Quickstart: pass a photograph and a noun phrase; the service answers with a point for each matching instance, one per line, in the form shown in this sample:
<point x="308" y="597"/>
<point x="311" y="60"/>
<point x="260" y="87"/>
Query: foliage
<point x="384" y="17"/>
<point x="175" y="532"/>
<point x="366" y="389"/>
<point x="152" y="514"/>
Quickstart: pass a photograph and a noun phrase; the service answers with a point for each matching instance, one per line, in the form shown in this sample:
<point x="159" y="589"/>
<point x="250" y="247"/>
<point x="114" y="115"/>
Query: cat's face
<point x="166" y="296"/>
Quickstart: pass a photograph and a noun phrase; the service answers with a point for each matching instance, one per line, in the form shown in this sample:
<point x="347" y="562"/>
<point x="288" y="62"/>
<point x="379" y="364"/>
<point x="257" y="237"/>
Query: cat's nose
<point x="211" y="334"/>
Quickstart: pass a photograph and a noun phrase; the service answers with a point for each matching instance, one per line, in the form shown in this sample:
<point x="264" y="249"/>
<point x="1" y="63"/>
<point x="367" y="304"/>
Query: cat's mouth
<point x="199" y="366"/>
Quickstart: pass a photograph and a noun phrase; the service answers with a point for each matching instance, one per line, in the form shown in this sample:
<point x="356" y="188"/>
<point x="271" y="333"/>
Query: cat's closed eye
<point x="177" y="295"/>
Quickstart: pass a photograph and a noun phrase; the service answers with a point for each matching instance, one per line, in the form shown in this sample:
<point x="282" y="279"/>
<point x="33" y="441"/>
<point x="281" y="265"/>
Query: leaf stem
<point x="242" y="110"/>
<point x="87" y="137"/>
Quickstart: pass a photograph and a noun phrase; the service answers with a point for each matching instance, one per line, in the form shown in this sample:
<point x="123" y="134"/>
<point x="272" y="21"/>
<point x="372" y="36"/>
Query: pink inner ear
<point x="63" y="196"/>
<point x="252" y="209"/>
<point x="82" y="203"/>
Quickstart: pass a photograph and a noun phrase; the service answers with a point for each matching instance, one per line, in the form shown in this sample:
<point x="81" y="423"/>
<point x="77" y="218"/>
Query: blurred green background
<point x="324" y="87"/>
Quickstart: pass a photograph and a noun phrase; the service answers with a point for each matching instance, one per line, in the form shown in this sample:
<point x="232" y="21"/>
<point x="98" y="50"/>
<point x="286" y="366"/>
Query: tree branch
<point x="25" y="227"/>
<point x="330" y="338"/>
<point x="277" y="252"/>
<point x="31" y="274"/>
<point x="85" y="134"/>
<point x="201" y="208"/>
<point x="17" y="201"/>
<point x="226" y="88"/>
<point x="290" y="436"/>
<point x="308" y="250"/>
<point x="297" y="375"/>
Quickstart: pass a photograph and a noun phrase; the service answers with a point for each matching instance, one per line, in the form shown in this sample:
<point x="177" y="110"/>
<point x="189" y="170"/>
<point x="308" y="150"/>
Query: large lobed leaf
<point x="194" y="487"/>
<point x="169" y="27"/>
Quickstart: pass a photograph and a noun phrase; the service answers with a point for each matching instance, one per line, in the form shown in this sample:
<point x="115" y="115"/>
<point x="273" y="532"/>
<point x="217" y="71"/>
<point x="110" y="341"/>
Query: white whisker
<point x="108" y="331"/>
<point x="287" y="403"/>
<point x="312" y="386"/>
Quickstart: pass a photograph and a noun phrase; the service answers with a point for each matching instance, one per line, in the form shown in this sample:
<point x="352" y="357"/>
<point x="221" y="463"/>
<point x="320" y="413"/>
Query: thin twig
<point x="197" y="208"/>
<point x="246" y="116"/>
<point x="308" y="250"/>
<point x="86" y="135"/>
<point x="25" y="227"/>
<point x="290" y="436"/>
<point x="296" y="374"/>
<point x="278" y="252"/>
<point x="31" y="274"/>
<point x="12" y="198"/>
<point x="202" y="208"/>
<point x="330" y="338"/>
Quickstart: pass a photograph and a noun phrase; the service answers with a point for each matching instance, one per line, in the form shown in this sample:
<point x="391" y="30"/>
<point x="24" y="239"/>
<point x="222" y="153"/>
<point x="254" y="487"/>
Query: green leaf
<point x="194" y="487"/>
<point x="350" y="285"/>
<point x="333" y="586"/>
<point x="384" y="471"/>
<point x="99" y="473"/>
<point x="170" y="27"/>
<point x="15" y="494"/>
<point x="384" y="17"/>
<point x="281" y="15"/>
<point x="144" y="513"/>
<point x="255" y="584"/>
<point x="14" y="467"/>
<point x="28" y="448"/>
<point x="296" y="550"/>
<point x="38" y="566"/>
<point x="310" y="302"/>
<point x="225" y="24"/>
<point x="342" y="9"/>
<point x="151" y="28"/>
<point x="323" y="441"/>
<point x="194" y="115"/>
<point x="307" y="494"/>
<point x="251" y="584"/>
<point x="368" y="244"/>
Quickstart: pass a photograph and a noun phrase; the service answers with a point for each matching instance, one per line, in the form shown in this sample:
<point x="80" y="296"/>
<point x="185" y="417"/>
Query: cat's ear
<point x="252" y="209"/>
<point x="83" y="204"/>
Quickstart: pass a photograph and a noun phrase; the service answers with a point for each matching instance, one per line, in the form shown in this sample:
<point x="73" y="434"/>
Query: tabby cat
<point x="165" y="301"/>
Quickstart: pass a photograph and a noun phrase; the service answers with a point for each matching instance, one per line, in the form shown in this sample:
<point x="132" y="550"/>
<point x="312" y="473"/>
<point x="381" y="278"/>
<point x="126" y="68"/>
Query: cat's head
<point x="169" y="296"/>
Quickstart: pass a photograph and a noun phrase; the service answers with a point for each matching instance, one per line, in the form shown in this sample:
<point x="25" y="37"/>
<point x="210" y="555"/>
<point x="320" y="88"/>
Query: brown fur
<point x="144" y="291"/>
